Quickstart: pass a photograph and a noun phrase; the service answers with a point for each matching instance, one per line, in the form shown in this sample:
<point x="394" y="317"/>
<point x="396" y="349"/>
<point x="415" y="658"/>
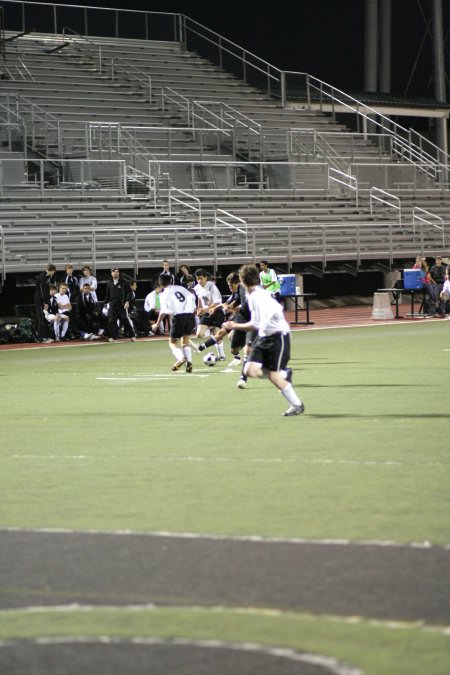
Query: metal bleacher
<point x="131" y="150"/>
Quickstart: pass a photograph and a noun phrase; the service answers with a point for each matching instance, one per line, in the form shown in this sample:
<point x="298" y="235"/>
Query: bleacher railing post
<point x="283" y="88"/>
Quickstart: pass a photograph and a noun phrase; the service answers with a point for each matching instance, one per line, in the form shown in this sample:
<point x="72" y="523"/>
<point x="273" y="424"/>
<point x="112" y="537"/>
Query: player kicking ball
<point x="271" y="350"/>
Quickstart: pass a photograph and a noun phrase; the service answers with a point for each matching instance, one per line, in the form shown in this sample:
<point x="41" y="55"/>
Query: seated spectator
<point x="90" y="321"/>
<point x="152" y="308"/>
<point x="430" y="296"/>
<point x="64" y="307"/>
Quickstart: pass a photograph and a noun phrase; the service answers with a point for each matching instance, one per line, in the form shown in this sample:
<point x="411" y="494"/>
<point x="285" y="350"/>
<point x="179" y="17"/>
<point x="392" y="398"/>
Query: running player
<point x="209" y="309"/>
<point x="271" y="350"/>
<point x="179" y="303"/>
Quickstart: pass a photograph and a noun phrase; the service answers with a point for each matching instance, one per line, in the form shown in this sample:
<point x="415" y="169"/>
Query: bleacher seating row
<point x="138" y="83"/>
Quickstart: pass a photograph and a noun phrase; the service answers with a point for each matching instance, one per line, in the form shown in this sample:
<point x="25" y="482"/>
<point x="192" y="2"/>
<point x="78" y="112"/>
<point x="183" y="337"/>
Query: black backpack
<point x="25" y="331"/>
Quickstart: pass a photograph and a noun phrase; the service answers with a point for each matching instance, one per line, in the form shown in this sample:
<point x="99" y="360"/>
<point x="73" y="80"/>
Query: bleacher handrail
<point x="382" y="196"/>
<point x="419" y="212"/>
<point x="184" y="202"/>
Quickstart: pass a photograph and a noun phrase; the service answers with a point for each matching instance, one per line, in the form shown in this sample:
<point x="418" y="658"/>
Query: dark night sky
<point x="322" y="37"/>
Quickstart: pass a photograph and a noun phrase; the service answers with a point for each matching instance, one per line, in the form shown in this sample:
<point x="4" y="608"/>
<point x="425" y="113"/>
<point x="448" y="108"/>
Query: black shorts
<point x="238" y="338"/>
<point x="273" y="351"/>
<point x="215" y="320"/>
<point x="182" y="324"/>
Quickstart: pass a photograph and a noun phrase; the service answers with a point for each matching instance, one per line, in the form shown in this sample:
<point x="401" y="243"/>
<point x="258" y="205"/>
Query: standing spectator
<point x="117" y="297"/>
<point x="271" y="350"/>
<point x="445" y="293"/>
<point x="182" y="274"/>
<point x="90" y="279"/>
<point x="437" y="273"/>
<point x="166" y="272"/>
<point x="41" y="300"/>
<point x="269" y="280"/>
<point x="72" y="282"/>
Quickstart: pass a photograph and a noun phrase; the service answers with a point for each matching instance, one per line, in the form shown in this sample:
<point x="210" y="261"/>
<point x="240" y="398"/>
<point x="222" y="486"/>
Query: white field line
<point x="221" y="609"/>
<point x="332" y="665"/>
<point x="228" y="459"/>
<point x="226" y="537"/>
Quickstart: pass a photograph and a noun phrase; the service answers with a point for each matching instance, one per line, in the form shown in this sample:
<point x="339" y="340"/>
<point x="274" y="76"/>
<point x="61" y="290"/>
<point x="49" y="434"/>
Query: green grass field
<point x="105" y="437"/>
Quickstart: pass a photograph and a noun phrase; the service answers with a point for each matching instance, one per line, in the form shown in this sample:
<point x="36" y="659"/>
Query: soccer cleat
<point x="201" y="348"/>
<point x="112" y="340"/>
<point x="294" y="410"/>
<point x="176" y="366"/>
<point x="242" y="384"/>
<point x="94" y="337"/>
<point x="235" y="362"/>
<point x="189" y="367"/>
<point x="87" y="336"/>
<point x="47" y="341"/>
<point x="221" y="358"/>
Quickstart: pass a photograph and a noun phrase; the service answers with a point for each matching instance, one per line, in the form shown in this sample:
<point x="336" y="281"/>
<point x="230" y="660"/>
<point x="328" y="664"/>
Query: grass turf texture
<point x="106" y="437"/>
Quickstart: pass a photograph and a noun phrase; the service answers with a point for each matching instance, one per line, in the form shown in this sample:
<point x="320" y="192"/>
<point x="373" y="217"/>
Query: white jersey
<point x="267" y="314"/>
<point x="208" y="294"/>
<point x="62" y="300"/>
<point x="177" y="300"/>
<point x="152" y="301"/>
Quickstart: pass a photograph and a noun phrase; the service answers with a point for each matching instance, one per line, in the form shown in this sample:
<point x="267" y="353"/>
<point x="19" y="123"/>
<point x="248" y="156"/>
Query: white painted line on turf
<point x="227" y="609"/>
<point x="230" y="459"/>
<point x="226" y="537"/>
<point x="332" y="665"/>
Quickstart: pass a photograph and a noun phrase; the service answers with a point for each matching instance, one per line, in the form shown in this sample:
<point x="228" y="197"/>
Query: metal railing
<point x="419" y="217"/>
<point x="396" y="176"/>
<point x="185" y="201"/>
<point x="76" y="176"/>
<point x="108" y="138"/>
<point x="133" y="246"/>
<point x="383" y="197"/>
<point x="228" y="176"/>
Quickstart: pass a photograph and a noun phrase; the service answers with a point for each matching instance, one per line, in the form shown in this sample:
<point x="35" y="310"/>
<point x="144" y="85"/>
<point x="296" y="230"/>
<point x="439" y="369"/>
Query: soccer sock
<point x="220" y="349"/>
<point x="210" y="342"/>
<point x="187" y="351"/>
<point x="176" y="351"/>
<point x="289" y="393"/>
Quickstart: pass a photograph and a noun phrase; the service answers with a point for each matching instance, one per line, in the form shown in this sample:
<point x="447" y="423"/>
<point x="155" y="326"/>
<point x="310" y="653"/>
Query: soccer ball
<point x="210" y="359"/>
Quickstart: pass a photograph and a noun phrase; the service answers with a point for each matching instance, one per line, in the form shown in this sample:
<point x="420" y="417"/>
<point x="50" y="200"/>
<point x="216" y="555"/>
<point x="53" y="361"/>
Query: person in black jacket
<point x="117" y="298"/>
<point x="41" y="300"/>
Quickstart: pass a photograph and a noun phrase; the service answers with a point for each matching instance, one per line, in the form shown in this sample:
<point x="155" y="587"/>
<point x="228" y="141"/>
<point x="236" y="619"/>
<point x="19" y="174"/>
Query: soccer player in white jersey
<point x="209" y="309"/>
<point x="179" y="303"/>
<point x="271" y="350"/>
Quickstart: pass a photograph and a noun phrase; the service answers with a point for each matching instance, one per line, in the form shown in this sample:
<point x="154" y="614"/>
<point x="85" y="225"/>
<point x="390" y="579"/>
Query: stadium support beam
<point x="371" y="46"/>
<point x="385" y="45"/>
<point x="439" y="72"/>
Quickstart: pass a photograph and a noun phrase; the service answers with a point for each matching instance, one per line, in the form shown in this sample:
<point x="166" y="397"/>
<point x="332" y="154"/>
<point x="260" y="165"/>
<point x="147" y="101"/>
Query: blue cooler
<point x="412" y="279"/>
<point x="287" y="284"/>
